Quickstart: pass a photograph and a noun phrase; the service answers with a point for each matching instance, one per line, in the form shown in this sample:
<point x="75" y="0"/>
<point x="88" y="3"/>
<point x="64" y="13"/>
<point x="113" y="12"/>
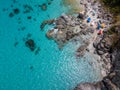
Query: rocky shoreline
<point x="68" y="27"/>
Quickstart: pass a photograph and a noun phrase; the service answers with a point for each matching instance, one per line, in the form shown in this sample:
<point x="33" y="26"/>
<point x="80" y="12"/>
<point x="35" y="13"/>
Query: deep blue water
<point x="51" y="68"/>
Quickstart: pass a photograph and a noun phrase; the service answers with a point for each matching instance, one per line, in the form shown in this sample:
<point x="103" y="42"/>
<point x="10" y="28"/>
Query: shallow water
<point x="51" y="68"/>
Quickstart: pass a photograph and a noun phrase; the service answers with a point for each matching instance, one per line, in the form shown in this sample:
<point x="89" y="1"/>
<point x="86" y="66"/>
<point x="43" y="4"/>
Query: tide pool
<point x="51" y="68"/>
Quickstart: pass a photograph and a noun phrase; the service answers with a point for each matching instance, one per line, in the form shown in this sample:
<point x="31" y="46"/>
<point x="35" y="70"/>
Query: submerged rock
<point x="31" y="67"/>
<point x="87" y="86"/>
<point x="44" y="7"/>
<point x="27" y="8"/>
<point x="105" y="84"/>
<point x="11" y="14"/>
<point x="30" y="44"/>
<point x="46" y="22"/>
<point x="81" y="50"/>
<point x="37" y="50"/>
<point x="16" y="11"/>
<point x="29" y="17"/>
<point x="15" y="44"/>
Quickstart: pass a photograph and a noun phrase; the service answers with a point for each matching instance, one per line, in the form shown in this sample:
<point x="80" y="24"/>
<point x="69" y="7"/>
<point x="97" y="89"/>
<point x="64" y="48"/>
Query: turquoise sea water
<point x="51" y="68"/>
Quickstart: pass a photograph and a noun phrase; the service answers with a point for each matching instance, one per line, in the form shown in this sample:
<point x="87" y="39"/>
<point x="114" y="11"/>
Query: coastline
<point x="111" y="80"/>
<point x="97" y="45"/>
<point x="89" y="33"/>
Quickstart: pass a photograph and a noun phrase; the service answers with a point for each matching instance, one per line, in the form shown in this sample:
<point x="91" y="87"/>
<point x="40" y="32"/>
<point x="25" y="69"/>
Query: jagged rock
<point x="60" y="26"/>
<point x="66" y="18"/>
<point x="107" y="46"/>
<point x="102" y="45"/>
<point x="61" y="21"/>
<point x="46" y="22"/>
<point x="81" y="16"/>
<point x="87" y="86"/>
<point x="105" y="84"/>
<point x="50" y="34"/>
<point x="98" y="47"/>
<point x="91" y="30"/>
<point x="81" y="50"/>
<point x="100" y="52"/>
<point x="60" y="35"/>
<point x="83" y="26"/>
<point x="95" y="44"/>
<point x="111" y="75"/>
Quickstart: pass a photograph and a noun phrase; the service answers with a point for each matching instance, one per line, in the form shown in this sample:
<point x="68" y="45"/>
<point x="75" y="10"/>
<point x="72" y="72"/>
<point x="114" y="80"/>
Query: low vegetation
<point x="114" y="7"/>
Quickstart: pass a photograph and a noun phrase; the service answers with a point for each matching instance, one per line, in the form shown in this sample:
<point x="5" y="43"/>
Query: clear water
<point x="51" y="68"/>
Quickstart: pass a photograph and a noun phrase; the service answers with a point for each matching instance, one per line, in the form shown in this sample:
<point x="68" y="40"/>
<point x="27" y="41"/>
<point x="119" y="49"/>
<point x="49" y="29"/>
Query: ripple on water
<point x="51" y="68"/>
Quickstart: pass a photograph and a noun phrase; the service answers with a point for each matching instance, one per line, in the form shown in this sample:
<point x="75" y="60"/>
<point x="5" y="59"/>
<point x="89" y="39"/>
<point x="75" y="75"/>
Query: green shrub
<point x="113" y="5"/>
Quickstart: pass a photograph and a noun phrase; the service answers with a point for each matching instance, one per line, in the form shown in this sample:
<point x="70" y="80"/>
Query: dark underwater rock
<point x="30" y="44"/>
<point x="37" y="51"/>
<point x="16" y="11"/>
<point x="27" y="9"/>
<point x="15" y="44"/>
<point x="49" y="2"/>
<point x="4" y="9"/>
<point x="11" y="14"/>
<point x="44" y="7"/>
<point x="31" y="67"/>
<point x="23" y="28"/>
<point x="29" y="17"/>
<point x="46" y="22"/>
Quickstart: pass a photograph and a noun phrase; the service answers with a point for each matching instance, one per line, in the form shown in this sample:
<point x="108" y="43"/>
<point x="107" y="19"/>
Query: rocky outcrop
<point x="87" y="86"/>
<point x="102" y="46"/>
<point x="112" y="80"/>
<point x="44" y="23"/>
<point x="66" y="28"/>
<point x="116" y="61"/>
<point x="105" y="84"/>
<point x="116" y="68"/>
<point x="50" y="34"/>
